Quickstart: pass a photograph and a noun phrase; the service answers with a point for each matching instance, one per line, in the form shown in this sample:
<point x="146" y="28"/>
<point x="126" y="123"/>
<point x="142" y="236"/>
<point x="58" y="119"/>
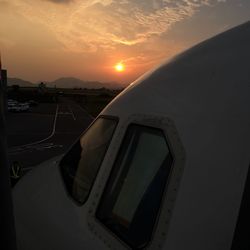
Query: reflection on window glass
<point x="81" y="164"/>
<point x="132" y="197"/>
<point x="241" y="240"/>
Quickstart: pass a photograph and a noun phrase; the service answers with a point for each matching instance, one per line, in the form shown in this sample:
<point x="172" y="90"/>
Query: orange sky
<point x="43" y="40"/>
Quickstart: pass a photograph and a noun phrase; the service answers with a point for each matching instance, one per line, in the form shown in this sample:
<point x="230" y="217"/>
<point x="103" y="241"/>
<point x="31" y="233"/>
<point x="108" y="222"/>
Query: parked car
<point x="11" y="102"/>
<point x="13" y="105"/>
<point x="24" y="106"/>
<point x="14" y="108"/>
<point x="18" y="107"/>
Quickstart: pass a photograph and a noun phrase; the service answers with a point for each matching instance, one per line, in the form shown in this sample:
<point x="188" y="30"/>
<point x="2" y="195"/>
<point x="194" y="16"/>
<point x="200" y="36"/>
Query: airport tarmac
<point x="44" y="132"/>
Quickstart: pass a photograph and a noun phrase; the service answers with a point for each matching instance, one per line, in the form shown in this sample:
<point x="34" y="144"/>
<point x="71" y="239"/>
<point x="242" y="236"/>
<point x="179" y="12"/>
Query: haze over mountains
<point x="68" y="82"/>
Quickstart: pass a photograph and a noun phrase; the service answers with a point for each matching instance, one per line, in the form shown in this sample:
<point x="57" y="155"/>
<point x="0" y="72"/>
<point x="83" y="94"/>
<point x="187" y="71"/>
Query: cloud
<point x="60" y="1"/>
<point x="86" y="26"/>
<point x="6" y="43"/>
<point x="4" y="4"/>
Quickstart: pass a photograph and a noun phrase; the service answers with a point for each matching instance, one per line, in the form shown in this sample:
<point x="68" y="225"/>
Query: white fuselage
<point x="200" y="99"/>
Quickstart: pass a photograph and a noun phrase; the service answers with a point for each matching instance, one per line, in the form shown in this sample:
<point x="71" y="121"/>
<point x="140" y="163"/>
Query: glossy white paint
<point x="205" y="91"/>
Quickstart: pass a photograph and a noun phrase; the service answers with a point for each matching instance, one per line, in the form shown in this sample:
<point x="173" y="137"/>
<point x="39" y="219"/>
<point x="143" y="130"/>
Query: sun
<point x="119" y="67"/>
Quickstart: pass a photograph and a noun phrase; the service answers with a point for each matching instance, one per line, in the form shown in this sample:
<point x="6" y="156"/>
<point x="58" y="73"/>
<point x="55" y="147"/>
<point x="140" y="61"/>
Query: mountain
<point x="71" y="82"/>
<point x="68" y="82"/>
<point x="20" y="82"/>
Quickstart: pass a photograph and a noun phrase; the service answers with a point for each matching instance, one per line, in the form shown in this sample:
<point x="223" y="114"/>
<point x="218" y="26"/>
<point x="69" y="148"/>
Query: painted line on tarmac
<point x="27" y="168"/>
<point x="71" y="111"/>
<point x="64" y="113"/>
<point x="45" y="139"/>
<point x="85" y="111"/>
<point x="37" y="147"/>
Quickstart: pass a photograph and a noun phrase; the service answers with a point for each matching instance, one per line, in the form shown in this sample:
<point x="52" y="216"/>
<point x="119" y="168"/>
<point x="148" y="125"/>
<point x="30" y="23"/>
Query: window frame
<point x="121" y="155"/>
<point x="79" y="204"/>
<point x="177" y="151"/>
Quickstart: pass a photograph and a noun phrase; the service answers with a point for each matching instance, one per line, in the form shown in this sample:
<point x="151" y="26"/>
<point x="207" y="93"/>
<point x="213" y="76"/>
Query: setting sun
<point x="119" y="67"/>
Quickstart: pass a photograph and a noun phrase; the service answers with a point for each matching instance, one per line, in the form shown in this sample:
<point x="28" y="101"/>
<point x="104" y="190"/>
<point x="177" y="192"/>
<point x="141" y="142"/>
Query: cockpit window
<point x="80" y="165"/>
<point x="132" y="198"/>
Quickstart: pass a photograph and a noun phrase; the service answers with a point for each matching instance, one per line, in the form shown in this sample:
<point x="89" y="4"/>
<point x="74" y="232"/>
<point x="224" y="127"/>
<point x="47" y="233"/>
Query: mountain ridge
<point x="67" y="82"/>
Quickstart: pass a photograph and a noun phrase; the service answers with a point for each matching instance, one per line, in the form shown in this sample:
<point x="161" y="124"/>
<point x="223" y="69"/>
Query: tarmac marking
<point x="85" y="111"/>
<point x="27" y="169"/>
<point x="71" y="111"/>
<point x="45" y="139"/>
<point x="37" y="147"/>
<point x="64" y="113"/>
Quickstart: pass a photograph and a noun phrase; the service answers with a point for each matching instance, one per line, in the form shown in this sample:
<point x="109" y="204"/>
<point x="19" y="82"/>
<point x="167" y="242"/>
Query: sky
<point x="42" y="40"/>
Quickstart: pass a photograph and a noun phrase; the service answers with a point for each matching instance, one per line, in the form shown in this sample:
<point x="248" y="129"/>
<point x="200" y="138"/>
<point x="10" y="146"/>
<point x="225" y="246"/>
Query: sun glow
<point x="119" y="67"/>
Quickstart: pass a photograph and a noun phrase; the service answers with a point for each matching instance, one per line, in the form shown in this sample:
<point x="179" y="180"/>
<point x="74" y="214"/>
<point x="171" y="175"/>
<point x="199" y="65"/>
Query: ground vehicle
<point x="11" y="107"/>
<point x="24" y="106"/>
<point x="11" y="104"/>
<point x="10" y="101"/>
<point x="164" y="166"/>
<point x="15" y="106"/>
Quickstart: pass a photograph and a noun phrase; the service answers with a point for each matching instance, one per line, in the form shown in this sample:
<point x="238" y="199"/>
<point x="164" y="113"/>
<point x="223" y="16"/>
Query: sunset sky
<point x="42" y="40"/>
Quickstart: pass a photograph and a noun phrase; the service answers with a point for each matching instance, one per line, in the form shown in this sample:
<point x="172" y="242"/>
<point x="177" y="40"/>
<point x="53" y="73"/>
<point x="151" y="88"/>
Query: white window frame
<point x="159" y="234"/>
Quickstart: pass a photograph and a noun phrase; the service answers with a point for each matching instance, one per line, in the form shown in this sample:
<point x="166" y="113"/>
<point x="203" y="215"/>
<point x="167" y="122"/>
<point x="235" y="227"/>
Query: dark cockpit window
<point x="132" y="198"/>
<point x="241" y="239"/>
<point x="80" y="165"/>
